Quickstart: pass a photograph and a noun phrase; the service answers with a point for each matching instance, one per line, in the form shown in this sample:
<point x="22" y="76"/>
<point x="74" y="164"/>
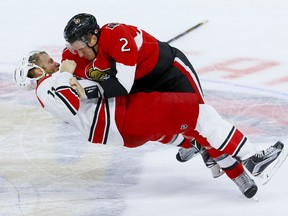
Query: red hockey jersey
<point x="130" y="120"/>
<point x="124" y="52"/>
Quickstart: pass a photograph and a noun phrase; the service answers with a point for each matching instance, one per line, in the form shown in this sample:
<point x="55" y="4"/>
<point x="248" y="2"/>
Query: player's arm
<point x="66" y="96"/>
<point x="57" y="97"/>
<point x="65" y="99"/>
<point x="119" y="43"/>
<point x="81" y="63"/>
<point x="86" y="88"/>
<point x="106" y="78"/>
<point x="120" y="82"/>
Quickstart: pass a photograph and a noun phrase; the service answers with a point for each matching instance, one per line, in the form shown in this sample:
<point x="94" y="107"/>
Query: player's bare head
<point x="26" y="66"/>
<point x="35" y="57"/>
<point x="47" y="63"/>
<point x="33" y="67"/>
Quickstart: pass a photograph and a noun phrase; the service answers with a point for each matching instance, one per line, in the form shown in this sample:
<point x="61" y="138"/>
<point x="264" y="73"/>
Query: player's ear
<point x="93" y="40"/>
<point x="38" y="72"/>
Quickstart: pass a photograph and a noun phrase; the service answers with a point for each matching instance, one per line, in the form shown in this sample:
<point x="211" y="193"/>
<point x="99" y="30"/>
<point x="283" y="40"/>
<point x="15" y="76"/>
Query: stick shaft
<point x="187" y="31"/>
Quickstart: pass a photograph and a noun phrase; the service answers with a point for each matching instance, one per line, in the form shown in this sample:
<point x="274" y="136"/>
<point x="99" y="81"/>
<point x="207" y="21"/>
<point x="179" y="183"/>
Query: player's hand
<point x="78" y="88"/>
<point x="68" y="66"/>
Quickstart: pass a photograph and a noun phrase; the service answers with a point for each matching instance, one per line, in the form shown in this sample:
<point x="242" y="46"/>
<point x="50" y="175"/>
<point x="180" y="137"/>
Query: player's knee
<point x="207" y="120"/>
<point x="212" y="126"/>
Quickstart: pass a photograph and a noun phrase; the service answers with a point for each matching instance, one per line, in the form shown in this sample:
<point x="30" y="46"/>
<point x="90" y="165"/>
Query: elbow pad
<point x="92" y="92"/>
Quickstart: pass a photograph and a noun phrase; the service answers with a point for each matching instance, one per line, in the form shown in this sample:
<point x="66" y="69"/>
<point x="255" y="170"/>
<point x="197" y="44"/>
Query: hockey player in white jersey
<point x="135" y="119"/>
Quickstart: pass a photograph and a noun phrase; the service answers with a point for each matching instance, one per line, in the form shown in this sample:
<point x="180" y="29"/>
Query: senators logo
<point x="112" y="25"/>
<point x="76" y="21"/>
<point x="97" y="75"/>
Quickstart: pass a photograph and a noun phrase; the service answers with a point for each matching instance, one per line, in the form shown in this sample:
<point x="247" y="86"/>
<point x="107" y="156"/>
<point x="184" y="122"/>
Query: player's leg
<point x="154" y="116"/>
<point x="218" y="162"/>
<point x="235" y="171"/>
<point x="213" y="130"/>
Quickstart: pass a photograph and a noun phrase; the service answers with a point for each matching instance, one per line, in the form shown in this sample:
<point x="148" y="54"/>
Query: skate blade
<point x="255" y="198"/>
<point x="270" y="171"/>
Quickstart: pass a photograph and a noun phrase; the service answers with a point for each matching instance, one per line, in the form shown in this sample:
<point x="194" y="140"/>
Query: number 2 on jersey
<point x="124" y="47"/>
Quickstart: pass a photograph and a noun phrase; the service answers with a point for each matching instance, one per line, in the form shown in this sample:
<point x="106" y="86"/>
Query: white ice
<point x="48" y="169"/>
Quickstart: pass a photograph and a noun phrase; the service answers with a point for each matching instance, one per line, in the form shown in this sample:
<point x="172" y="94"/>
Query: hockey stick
<point x="187" y="31"/>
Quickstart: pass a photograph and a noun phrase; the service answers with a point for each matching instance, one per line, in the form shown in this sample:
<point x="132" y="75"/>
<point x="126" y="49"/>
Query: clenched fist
<point x="68" y="66"/>
<point x="77" y="87"/>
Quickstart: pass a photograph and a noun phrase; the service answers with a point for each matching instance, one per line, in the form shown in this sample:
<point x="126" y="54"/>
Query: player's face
<point x="48" y="64"/>
<point x="83" y="50"/>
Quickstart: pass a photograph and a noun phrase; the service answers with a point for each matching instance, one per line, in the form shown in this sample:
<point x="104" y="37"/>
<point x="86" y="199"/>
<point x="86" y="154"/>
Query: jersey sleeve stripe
<point x="69" y="97"/>
<point x="99" y="130"/>
<point x="108" y="120"/>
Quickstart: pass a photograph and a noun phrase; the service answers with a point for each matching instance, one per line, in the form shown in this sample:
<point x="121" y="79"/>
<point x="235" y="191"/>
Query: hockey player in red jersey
<point x="135" y="119"/>
<point x="125" y="59"/>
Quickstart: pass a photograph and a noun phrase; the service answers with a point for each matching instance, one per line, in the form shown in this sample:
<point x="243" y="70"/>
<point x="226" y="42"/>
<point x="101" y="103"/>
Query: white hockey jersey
<point x="94" y="118"/>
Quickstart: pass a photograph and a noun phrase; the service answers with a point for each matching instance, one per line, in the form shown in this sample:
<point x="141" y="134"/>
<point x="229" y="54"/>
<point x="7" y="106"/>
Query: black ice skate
<point x="246" y="185"/>
<point x="265" y="163"/>
<point x="184" y="155"/>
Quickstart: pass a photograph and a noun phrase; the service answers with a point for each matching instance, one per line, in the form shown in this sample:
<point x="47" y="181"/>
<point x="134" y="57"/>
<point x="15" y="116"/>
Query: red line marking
<point x="239" y="67"/>
<point x="278" y="81"/>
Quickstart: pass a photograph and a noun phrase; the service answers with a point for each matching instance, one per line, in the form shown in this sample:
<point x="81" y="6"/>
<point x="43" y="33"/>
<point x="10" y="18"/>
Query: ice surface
<point x="48" y="169"/>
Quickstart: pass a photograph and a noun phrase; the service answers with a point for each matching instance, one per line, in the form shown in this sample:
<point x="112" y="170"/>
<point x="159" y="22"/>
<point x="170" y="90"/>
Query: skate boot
<point x="265" y="163"/>
<point x="246" y="185"/>
<point x="210" y="163"/>
<point x="184" y="155"/>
